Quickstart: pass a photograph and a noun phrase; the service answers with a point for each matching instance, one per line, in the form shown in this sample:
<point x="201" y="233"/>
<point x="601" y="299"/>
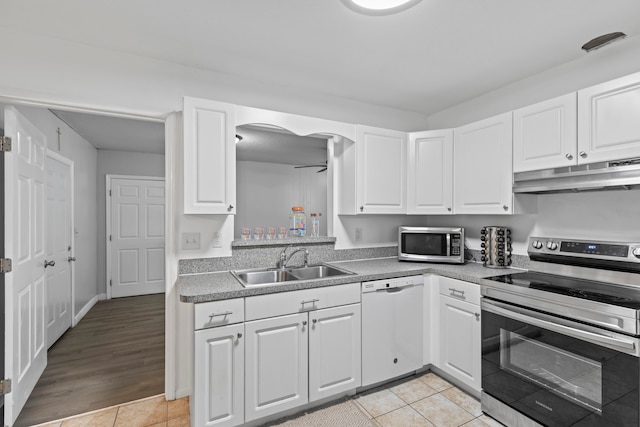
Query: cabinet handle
<point x="477" y="316"/>
<point x="505" y="207"/>
<point x="49" y="263"/>
<point x="569" y="156"/>
<point x="239" y="335"/>
<point x="230" y="208"/>
<point x="304" y="323"/>
<point x="315" y="321"/>
<point x="226" y="313"/>
<point x="454" y="291"/>
<point x="449" y="209"/>
<point x="361" y="208"/>
<point x="311" y="301"/>
<point x="583" y="154"/>
<point x="71" y="258"/>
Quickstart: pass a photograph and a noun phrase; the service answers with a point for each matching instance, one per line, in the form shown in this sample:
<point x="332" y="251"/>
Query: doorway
<point x="87" y="301"/>
<point x="135" y="226"/>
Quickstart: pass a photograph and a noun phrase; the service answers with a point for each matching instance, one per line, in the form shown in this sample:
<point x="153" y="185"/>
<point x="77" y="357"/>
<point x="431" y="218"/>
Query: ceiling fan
<point x="323" y="166"/>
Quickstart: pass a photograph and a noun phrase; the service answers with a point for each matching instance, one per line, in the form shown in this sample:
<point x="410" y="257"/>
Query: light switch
<point x="190" y="241"/>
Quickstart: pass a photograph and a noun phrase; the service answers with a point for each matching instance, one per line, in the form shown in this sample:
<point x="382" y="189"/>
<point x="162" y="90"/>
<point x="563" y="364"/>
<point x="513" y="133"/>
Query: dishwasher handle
<point x="395" y="289"/>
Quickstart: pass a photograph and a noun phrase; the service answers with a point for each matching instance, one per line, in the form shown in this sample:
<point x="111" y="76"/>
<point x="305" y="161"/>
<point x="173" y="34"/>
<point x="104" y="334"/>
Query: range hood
<point x="616" y="175"/>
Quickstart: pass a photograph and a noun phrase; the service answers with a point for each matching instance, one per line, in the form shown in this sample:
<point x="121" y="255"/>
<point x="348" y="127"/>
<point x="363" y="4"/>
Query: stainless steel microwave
<point x="431" y="244"/>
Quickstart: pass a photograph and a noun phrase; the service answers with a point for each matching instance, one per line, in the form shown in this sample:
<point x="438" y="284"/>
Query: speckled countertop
<point x="203" y="287"/>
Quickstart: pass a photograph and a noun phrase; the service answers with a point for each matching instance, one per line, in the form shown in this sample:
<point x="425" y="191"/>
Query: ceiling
<point x="433" y="56"/>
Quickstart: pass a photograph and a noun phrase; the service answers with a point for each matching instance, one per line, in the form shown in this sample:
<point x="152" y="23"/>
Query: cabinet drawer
<point x="219" y="313"/>
<point x="460" y="290"/>
<point x="262" y="306"/>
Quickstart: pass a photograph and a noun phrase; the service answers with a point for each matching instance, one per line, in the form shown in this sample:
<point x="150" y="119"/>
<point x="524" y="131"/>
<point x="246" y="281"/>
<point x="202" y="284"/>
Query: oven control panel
<point x="620" y="251"/>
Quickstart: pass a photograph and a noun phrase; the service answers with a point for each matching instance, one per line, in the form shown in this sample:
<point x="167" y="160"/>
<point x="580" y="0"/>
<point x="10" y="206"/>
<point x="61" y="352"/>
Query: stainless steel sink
<point x="318" y="272"/>
<point x="263" y="277"/>
<point x="272" y="276"/>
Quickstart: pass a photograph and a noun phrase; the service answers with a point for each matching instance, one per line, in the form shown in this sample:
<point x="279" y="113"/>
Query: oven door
<point x="555" y="371"/>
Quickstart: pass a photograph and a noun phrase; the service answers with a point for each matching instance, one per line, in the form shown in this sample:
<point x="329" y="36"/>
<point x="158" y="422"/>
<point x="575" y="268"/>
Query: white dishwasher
<point x="392" y="332"/>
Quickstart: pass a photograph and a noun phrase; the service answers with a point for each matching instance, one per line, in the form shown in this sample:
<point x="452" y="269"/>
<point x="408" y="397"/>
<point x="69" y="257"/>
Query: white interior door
<point x="25" y="291"/>
<point x="136" y="236"/>
<point x="59" y="220"/>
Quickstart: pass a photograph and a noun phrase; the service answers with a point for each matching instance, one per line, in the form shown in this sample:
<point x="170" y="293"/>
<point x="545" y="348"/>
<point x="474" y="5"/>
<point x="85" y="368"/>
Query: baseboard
<point x="183" y="392"/>
<point x="88" y="306"/>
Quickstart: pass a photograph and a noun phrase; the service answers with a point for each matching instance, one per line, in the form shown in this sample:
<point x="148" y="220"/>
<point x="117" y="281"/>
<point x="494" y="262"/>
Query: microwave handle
<point x="540" y="320"/>
<point x="448" y="244"/>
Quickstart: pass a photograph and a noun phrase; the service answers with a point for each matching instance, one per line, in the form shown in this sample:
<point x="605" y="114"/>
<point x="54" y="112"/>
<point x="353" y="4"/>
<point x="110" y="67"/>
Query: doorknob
<point x="71" y="258"/>
<point x="49" y="263"/>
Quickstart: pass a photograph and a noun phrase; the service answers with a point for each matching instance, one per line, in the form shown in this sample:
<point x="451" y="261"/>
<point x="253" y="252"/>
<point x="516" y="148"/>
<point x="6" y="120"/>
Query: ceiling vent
<point x="603" y="40"/>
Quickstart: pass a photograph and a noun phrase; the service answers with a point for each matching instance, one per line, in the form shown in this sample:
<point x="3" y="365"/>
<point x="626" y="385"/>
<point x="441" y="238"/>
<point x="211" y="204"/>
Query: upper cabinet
<point x="609" y="120"/>
<point x="209" y="157"/>
<point x="430" y="172"/>
<point x="544" y="135"/>
<point x="483" y="166"/>
<point x="371" y="175"/>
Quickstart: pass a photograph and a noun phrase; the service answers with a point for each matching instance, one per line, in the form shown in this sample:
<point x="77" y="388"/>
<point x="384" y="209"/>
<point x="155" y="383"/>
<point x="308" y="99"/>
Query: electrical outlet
<point x="217" y="240"/>
<point x="358" y="234"/>
<point x="190" y="241"/>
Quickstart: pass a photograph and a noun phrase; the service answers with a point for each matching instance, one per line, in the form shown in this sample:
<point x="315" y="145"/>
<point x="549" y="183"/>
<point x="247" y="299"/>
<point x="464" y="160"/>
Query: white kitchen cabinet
<point x="276" y="363"/>
<point x="482" y="158"/>
<point x="609" y="120"/>
<point x="334" y="351"/>
<point x="430" y="172"/>
<point x="209" y="157"/>
<point x="459" y="343"/>
<point x="381" y="158"/>
<point x="218" y="398"/>
<point x="545" y="135"/>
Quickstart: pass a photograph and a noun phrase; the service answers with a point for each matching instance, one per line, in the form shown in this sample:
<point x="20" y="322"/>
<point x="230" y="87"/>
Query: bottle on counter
<point x="315" y="225"/>
<point x="297" y="222"/>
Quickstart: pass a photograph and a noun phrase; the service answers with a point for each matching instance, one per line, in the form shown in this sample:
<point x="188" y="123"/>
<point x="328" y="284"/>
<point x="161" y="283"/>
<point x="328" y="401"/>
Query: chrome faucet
<point x="284" y="259"/>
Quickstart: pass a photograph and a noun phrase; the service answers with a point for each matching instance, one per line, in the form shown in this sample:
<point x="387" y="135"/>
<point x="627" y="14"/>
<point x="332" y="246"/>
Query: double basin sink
<point x="271" y="276"/>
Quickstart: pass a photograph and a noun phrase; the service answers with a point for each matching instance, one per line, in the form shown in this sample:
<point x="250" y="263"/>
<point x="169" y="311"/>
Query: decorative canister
<point x="297" y="222"/>
<point x="496" y="246"/>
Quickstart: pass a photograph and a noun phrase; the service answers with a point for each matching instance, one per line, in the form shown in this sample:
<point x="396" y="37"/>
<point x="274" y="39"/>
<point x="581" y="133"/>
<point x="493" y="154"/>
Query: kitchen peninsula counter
<point x="204" y="287"/>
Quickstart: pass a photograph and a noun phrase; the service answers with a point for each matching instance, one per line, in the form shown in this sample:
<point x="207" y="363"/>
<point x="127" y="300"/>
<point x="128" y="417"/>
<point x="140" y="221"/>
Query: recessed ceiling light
<point x="380" y="7"/>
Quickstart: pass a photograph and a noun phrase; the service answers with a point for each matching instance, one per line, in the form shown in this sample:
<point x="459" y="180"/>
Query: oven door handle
<point x="538" y="319"/>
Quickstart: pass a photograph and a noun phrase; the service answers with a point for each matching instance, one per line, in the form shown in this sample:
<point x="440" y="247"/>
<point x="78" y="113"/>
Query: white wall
<point x="616" y="60"/>
<point x="119" y="163"/>
<point x="265" y="193"/>
<point x="85" y="160"/>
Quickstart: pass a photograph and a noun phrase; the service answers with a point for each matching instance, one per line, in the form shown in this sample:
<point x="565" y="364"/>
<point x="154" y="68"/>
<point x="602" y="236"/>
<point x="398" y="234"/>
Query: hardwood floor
<point x="114" y="355"/>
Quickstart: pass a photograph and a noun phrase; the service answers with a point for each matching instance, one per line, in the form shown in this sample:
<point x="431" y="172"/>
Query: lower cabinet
<point x="219" y="381"/>
<point x="295" y="359"/>
<point x="459" y="342"/>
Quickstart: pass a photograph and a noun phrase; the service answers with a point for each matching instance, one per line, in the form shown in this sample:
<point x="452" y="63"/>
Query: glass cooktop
<point x="622" y="296"/>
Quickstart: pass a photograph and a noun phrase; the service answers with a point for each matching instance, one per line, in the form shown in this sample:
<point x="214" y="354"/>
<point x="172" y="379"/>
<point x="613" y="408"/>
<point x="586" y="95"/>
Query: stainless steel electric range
<point x="561" y="342"/>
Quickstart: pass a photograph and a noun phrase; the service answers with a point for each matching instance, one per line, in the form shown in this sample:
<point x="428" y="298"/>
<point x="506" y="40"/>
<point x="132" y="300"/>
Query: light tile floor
<point x="421" y="400"/>
<point x="153" y="411"/>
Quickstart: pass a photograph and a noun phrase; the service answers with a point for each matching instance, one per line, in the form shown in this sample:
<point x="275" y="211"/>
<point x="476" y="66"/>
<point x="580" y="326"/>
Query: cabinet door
<point x="483" y="167"/>
<point x="460" y="340"/>
<point x="276" y="365"/>
<point x="209" y="157"/>
<point x="430" y="172"/>
<point x="609" y="120"/>
<point x="218" y="398"/>
<point x="380" y="167"/>
<point x="334" y="351"/>
<point x="545" y="135"/>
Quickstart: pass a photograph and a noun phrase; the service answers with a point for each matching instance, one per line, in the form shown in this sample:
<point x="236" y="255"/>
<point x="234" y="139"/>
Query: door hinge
<point x="109" y="237"/>
<point x="109" y="193"/>
<point x="5" y="265"/>
<point x="5" y="143"/>
<point x="110" y="282"/>
<point x="5" y="387"/>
